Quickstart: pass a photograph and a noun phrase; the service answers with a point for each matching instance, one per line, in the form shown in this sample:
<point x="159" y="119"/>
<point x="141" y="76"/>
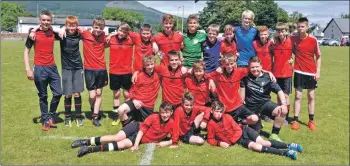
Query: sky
<point x="320" y="12"/>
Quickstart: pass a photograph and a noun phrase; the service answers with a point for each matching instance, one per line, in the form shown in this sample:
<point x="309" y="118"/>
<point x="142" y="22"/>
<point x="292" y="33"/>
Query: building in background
<point x="337" y="28"/>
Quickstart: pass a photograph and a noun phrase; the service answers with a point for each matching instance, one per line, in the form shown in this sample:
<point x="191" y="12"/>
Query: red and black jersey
<point x="228" y="47"/>
<point x="173" y="84"/>
<point x="199" y="89"/>
<point x="167" y="43"/>
<point x="304" y="51"/>
<point x="224" y="130"/>
<point x="94" y="50"/>
<point x="43" y="47"/>
<point x="183" y="121"/>
<point x="263" y="51"/>
<point x="141" y="49"/>
<point x="227" y="87"/>
<point x="146" y="88"/>
<point x="154" y="130"/>
<point x="282" y="53"/>
<point x="120" y="57"/>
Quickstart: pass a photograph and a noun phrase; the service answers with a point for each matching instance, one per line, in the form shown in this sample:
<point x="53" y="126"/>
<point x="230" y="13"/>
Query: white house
<point x="25" y="23"/>
<point x="337" y="28"/>
<point x="317" y="32"/>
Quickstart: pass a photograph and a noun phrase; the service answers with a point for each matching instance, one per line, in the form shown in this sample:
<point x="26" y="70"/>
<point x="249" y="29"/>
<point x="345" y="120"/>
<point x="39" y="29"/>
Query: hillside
<point x="91" y="9"/>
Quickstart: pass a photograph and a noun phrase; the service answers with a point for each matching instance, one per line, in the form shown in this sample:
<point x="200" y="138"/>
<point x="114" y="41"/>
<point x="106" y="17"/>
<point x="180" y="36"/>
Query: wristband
<point x="284" y="102"/>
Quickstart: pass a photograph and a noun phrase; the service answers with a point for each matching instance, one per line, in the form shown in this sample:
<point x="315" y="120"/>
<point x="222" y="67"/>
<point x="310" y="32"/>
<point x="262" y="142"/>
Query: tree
<point x="345" y="16"/>
<point x="134" y="19"/>
<point x="293" y="17"/>
<point x="265" y="12"/>
<point x="9" y="15"/>
<point x="282" y="15"/>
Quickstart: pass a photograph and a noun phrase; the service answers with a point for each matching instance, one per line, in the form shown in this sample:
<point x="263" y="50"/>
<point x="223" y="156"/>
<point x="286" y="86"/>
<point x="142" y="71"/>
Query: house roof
<point x="62" y="21"/>
<point x="342" y="23"/>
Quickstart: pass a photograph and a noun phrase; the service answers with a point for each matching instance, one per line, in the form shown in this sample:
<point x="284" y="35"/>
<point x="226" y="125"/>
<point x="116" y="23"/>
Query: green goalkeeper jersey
<point x="192" y="50"/>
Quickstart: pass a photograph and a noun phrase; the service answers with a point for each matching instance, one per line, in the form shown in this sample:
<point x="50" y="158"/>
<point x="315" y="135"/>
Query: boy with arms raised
<point x="45" y="70"/>
<point x="255" y="91"/>
<point x="223" y="131"/>
<point x="188" y="120"/>
<point x="154" y="129"/>
<point x="306" y="71"/>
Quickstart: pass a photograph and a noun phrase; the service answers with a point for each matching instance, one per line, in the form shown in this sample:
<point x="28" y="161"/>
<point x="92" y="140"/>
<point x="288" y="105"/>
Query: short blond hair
<point x="214" y="27"/>
<point x="248" y="13"/>
<point x="124" y="27"/>
<point x="98" y="21"/>
<point x="198" y="65"/>
<point x="229" y="28"/>
<point x="227" y="58"/>
<point x="147" y="58"/>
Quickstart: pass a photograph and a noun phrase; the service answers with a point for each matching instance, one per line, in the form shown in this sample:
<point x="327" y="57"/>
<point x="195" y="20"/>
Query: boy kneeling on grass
<point x="154" y="129"/>
<point x="224" y="131"/>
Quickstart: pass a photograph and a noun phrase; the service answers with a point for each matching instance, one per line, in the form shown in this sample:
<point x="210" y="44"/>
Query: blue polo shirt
<point x="244" y="42"/>
<point x="211" y="55"/>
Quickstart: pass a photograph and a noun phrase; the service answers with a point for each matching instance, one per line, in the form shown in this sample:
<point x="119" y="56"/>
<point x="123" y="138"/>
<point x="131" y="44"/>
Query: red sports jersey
<point x="227" y="87"/>
<point x="228" y="47"/>
<point x="120" y="57"/>
<point x="94" y="50"/>
<point x="199" y="89"/>
<point x="264" y="53"/>
<point x="43" y="47"/>
<point x="167" y="43"/>
<point x="183" y="122"/>
<point x="146" y="89"/>
<point x="224" y="130"/>
<point x="282" y="53"/>
<point x="173" y="84"/>
<point x="304" y="51"/>
<point x="154" y="130"/>
<point x="142" y="48"/>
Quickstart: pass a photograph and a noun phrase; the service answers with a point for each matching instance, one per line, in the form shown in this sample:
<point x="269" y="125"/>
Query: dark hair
<point x="173" y="52"/>
<point x="46" y="12"/>
<point x="165" y="106"/>
<point x="254" y="59"/>
<point x="303" y="19"/>
<point x="146" y="27"/>
<point x="217" y="105"/>
<point x="188" y="96"/>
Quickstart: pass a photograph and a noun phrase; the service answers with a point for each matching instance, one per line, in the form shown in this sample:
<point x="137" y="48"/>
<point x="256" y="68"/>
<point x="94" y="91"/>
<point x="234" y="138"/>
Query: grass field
<point x="23" y="142"/>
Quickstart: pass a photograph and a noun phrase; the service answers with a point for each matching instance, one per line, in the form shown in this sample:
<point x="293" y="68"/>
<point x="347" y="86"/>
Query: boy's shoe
<point x="291" y="154"/>
<point x="295" y="125"/>
<point x="312" y="125"/>
<point x="80" y="142"/>
<point x="83" y="151"/>
<point x="79" y="122"/>
<point x="46" y="126"/>
<point x="52" y="123"/>
<point x="68" y="122"/>
<point x="296" y="147"/>
<point x="116" y="122"/>
<point x="96" y="122"/>
<point x="275" y="137"/>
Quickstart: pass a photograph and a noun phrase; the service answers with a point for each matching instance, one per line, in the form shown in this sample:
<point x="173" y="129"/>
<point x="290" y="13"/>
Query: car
<point x="321" y="40"/>
<point x="348" y="43"/>
<point x="333" y="42"/>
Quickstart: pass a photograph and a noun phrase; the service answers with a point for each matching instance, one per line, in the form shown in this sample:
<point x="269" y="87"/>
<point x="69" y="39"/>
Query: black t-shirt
<point x="70" y="54"/>
<point x="258" y="89"/>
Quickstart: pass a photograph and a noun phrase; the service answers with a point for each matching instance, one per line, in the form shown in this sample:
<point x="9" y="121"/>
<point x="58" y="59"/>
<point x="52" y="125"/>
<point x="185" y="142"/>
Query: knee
<point x="298" y="96"/>
<point x="311" y="97"/>
<point x="98" y="94"/>
<point x="116" y="94"/>
<point x="200" y="141"/>
<point x="92" y="96"/>
<point x="76" y="94"/>
<point x="253" y="118"/>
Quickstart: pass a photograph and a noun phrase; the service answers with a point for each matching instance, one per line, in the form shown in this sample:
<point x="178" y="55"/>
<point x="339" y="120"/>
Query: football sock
<point x="67" y="106"/>
<point x="115" y="107"/>
<point x="288" y="107"/>
<point x="266" y="149"/>
<point x="104" y="147"/>
<point x="94" y="116"/>
<point x="278" y="144"/>
<point x="311" y="117"/>
<point x="275" y="130"/>
<point x="77" y="104"/>
<point x="296" y="118"/>
<point x="94" y="141"/>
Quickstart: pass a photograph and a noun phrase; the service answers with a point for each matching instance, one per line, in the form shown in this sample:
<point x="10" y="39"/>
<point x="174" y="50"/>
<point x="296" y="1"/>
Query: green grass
<point x="21" y="141"/>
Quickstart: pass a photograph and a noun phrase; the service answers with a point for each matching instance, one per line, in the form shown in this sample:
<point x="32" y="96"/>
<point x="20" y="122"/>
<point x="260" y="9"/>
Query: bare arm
<point x="242" y="93"/>
<point x="318" y="68"/>
<point x="29" y="72"/>
<point x="137" y="141"/>
<point x="164" y="143"/>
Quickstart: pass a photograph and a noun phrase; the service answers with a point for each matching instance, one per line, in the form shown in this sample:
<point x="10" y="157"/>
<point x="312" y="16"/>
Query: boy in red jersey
<point x="227" y="86"/>
<point x="263" y="48"/>
<point x="45" y="70"/>
<point x="223" y="131"/>
<point x="143" y="45"/>
<point x="167" y="40"/>
<point x="306" y="70"/>
<point x="120" y="72"/>
<point x="143" y="94"/>
<point x="228" y="45"/>
<point x="154" y="129"/>
<point x="282" y="62"/>
<point x="188" y="120"/>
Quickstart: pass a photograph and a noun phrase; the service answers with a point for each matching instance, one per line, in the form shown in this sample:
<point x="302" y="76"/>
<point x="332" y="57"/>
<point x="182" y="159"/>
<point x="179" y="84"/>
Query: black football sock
<point x="67" y="107"/>
<point x="94" y="141"/>
<point x="266" y="149"/>
<point x="311" y="117"/>
<point x="278" y="144"/>
<point x="77" y="104"/>
<point x="275" y="130"/>
<point x="296" y="118"/>
<point x="105" y="147"/>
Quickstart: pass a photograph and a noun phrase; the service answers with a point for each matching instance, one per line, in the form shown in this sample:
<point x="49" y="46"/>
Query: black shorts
<point x="131" y="131"/>
<point x="248" y="135"/>
<point x="285" y="84"/>
<point x="120" y="81"/>
<point x="95" y="79"/>
<point x="138" y="114"/>
<point x="240" y="113"/>
<point x="265" y="109"/>
<point x="302" y="81"/>
<point x="192" y="132"/>
<point x="72" y="81"/>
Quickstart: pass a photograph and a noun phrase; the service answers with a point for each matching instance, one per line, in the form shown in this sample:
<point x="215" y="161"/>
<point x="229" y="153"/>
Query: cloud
<point x="171" y="7"/>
